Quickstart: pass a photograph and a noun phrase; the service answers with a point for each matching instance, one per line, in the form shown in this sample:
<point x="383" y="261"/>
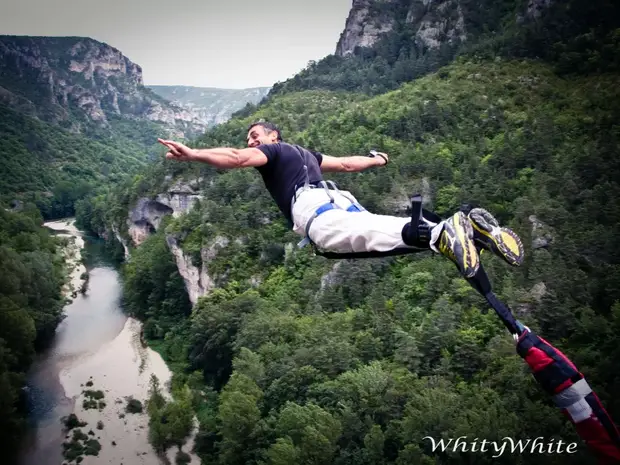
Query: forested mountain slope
<point x="388" y="42"/>
<point x="293" y="358"/>
<point x="75" y="116"/>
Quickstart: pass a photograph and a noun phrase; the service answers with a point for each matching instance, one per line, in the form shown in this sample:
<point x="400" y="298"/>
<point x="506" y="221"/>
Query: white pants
<point x="340" y="231"/>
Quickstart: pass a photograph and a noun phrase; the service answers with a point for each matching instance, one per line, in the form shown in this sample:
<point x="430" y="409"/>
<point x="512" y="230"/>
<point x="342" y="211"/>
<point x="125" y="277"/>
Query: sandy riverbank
<point x="73" y="254"/>
<point x="121" y="369"/>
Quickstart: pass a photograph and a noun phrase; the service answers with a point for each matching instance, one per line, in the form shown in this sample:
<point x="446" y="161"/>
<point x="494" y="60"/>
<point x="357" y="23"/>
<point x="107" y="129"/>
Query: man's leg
<point x="341" y="231"/>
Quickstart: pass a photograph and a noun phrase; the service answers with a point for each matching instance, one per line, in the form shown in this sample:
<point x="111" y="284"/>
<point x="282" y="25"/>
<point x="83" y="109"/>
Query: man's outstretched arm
<point x="221" y="157"/>
<point x="351" y="164"/>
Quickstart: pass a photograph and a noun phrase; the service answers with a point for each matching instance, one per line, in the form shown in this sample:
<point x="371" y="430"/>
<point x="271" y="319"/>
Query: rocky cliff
<point x="431" y="23"/>
<point x="213" y="106"/>
<point x="146" y="216"/>
<point x="364" y="26"/>
<point x="434" y="22"/>
<point x="77" y="82"/>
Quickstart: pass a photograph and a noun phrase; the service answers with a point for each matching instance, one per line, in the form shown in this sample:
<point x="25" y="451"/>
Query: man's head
<point x="263" y="132"/>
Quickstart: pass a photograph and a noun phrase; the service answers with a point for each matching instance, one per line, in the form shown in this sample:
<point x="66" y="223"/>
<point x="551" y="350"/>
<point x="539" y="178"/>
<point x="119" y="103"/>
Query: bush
<point x="134" y="406"/>
<point x="88" y="404"/>
<point x="72" y="450"/>
<point x="96" y="395"/>
<point x="79" y="436"/>
<point x="92" y="447"/>
<point x="72" y="421"/>
<point x="182" y="458"/>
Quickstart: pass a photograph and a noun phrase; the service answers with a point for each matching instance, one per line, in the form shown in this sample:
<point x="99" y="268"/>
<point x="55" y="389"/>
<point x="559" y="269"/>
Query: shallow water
<point x="91" y="321"/>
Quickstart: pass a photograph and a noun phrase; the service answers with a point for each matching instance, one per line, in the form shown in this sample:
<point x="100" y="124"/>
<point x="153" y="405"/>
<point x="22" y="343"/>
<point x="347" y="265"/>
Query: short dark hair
<point x="268" y="126"/>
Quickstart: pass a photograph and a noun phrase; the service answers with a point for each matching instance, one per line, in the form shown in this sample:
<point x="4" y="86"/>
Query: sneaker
<point x="456" y="243"/>
<point x="489" y="235"/>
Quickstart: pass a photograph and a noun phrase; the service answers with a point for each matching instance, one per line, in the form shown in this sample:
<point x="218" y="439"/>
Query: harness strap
<point x="329" y="194"/>
<point x="322" y="209"/>
<point x="355" y="205"/>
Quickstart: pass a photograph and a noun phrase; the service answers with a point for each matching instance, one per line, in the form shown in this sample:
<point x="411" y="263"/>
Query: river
<point x="95" y="343"/>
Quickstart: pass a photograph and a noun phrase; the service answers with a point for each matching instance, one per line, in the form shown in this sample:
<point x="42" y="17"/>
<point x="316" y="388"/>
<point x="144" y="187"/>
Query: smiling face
<point x="258" y="135"/>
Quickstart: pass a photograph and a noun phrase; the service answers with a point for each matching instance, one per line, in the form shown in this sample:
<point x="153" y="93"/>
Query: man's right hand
<point x="178" y="151"/>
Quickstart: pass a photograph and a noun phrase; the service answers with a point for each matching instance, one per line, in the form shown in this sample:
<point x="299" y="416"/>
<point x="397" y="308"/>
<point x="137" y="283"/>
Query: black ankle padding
<point x="416" y="237"/>
<point x="406" y="234"/>
<point x="424" y="232"/>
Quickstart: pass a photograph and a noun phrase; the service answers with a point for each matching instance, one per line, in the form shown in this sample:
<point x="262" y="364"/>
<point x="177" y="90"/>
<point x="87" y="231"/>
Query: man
<point x="334" y="221"/>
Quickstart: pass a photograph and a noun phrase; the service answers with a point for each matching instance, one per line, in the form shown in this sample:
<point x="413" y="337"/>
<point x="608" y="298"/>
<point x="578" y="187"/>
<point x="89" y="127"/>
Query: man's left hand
<point x="380" y="155"/>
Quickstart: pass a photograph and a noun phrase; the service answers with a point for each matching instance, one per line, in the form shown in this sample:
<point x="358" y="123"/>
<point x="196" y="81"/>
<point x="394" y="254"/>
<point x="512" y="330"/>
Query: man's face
<point x="258" y="135"/>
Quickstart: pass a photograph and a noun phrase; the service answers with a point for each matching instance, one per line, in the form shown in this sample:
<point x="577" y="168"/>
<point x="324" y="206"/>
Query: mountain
<point x="212" y="105"/>
<point x="75" y="116"/>
<point x="82" y="85"/>
<point x="432" y="24"/>
<point x="388" y="42"/>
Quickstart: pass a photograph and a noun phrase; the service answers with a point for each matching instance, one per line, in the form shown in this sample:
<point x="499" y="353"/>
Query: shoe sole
<point x="465" y="235"/>
<point x="507" y="242"/>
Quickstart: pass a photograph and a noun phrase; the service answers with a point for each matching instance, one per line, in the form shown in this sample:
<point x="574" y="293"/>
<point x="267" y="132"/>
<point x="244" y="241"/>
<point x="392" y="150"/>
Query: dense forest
<point x="32" y="274"/>
<point x="294" y="358"/>
<point x="53" y="167"/>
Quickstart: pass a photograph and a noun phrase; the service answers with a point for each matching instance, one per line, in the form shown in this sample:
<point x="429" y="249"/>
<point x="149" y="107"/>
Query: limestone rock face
<point x="542" y="235"/>
<point x="77" y="81"/>
<point x="435" y="22"/>
<point x="363" y="26"/>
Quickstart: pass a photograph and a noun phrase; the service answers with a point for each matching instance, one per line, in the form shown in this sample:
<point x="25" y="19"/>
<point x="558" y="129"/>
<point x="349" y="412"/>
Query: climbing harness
<point x="420" y="234"/>
<point x="327" y="185"/>
<point x="331" y="205"/>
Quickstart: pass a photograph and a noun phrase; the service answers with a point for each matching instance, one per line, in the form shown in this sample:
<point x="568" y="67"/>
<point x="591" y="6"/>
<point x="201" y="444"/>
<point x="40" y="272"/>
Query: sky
<point x="205" y="43"/>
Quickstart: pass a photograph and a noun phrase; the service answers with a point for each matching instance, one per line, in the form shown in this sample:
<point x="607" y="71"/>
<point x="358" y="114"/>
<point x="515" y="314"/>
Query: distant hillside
<point x="53" y="167"/>
<point x="75" y="116"/>
<point x="81" y="84"/>
<point x="212" y="105"/>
